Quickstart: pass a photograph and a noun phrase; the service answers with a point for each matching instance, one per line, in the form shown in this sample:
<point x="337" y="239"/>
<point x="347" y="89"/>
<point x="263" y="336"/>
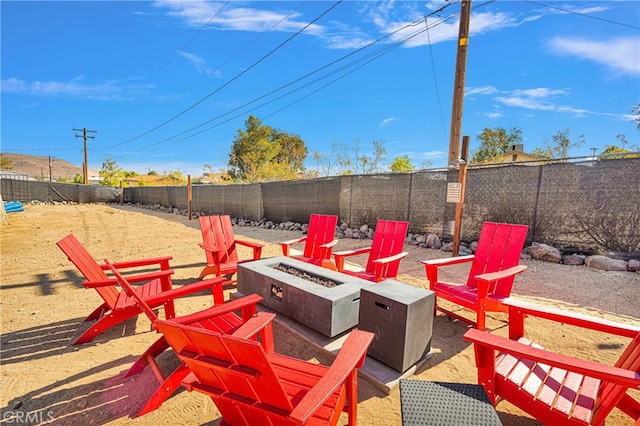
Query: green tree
<point x="261" y="153"/>
<point x="366" y="164"/>
<point x="178" y="175"/>
<point x="333" y="163"/>
<point x="110" y="173"/>
<point x="78" y="178"/>
<point x="495" y="142"/>
<point x="401" y="164"/>
<point x="5" y="163"/>
<point x="152" y="173"/>
<point x="615" y="151"/>
<point x="636" y="111"/>
<point x="559" y="146"/>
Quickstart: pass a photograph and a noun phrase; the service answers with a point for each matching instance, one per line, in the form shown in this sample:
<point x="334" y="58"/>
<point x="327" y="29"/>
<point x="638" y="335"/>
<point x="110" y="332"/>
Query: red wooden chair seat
<point x="554" y="388"/>
<point x="493" y="269"/>
<point x="384" y="254"/>
<point x="117" y="307"/>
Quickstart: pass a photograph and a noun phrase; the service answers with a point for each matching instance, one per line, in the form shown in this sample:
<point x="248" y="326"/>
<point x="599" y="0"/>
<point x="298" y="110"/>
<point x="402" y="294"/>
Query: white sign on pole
<point x="454" y="192"/>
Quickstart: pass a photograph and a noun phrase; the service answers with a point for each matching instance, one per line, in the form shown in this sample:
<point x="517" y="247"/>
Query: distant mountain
<point x="38" y="166"/>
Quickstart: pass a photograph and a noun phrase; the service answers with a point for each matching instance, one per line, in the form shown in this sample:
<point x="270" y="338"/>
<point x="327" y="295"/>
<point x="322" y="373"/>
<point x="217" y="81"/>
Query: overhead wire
<point x="583" y="14"/>
<point x="234" y="78"/>
<point x="188" y="41"/>
<point x="413" y="24"/>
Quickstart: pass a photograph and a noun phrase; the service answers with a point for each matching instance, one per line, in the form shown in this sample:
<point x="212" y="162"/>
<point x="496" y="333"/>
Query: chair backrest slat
<point x="499" y="247"/>
<point x="88" y="267"/>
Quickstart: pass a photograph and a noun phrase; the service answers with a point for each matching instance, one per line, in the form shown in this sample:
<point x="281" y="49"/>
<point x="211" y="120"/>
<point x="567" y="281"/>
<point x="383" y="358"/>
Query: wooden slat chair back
<point x="554" y="388"/>
<point x="492" y="272"/>
<point x="220" y="246"/>
<point x="89" y="268"/>
<point x="612" y="394"/>
<point x="252" y="386"/>
<point x="385" y="252"/>
<point x="318" y="242"/>
<point x="388" y="240"/>
<point x="221" y="318"/>
<point x="499" y="247"/>
<point x="322" y="230"/>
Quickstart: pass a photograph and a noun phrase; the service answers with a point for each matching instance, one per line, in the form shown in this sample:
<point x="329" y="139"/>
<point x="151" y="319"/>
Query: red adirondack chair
<point x="385" y="252"/>
<point x="318" y="242"/>
<point x="493" y="269"/>
<point x="117" y="306"/>
<point x="253" y="386"/>
<point x="221" y="318"/>
<point x="551" y="387"/>
<point x="219" y="245"/>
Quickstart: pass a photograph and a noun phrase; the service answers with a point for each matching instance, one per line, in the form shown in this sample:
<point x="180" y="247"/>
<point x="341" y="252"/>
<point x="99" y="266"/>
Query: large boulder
<point x="605" y="263"/>
<point x="544" y="252"/>
<point x="634" y="265"/>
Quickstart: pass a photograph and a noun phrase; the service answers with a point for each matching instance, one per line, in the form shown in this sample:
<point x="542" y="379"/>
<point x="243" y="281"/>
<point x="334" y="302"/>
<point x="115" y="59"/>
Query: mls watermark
<point x="26" y="417"/>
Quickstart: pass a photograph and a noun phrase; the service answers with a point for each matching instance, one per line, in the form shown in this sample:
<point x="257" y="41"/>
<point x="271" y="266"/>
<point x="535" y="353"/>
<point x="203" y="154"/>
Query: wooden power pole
<point x="458" y="85"/>
<point x="85" y="166"/>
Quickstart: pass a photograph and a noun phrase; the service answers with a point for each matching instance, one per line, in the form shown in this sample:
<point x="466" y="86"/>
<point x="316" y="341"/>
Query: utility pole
<point x="458" y="85"/>
<point x="85" y="166"/>
<point x="49" y="168"/>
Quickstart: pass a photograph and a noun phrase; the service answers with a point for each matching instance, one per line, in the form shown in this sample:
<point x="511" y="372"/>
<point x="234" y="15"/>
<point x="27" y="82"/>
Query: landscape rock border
<point x="536" y="251"/>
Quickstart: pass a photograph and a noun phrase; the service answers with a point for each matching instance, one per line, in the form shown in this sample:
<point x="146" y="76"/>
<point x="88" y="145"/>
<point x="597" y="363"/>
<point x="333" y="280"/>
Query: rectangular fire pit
<point x="325" y="300"/>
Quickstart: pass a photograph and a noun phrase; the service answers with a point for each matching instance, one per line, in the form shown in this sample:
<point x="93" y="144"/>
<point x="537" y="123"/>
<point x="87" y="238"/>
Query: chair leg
<point x="165" y="390"/>
<point x="105" y="323"/>
<point x="148" y="356"/>
<point x="208" y="270"/>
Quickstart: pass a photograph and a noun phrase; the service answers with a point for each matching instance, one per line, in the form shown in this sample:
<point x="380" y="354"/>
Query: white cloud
<point x="387" y="121"/>
<point x="75" y="88"/>
<point x="223" y="15"/>
<point x="483" y="90"/>
<point x="622" y="54"/>
<point x="199" y="63"/>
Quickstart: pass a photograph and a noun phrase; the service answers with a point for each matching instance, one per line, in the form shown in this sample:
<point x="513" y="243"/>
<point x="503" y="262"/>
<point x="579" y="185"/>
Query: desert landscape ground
<point x="43" y="305"/>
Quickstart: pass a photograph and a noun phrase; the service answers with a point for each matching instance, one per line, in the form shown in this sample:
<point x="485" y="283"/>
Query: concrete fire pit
<point x="329" y="309"/>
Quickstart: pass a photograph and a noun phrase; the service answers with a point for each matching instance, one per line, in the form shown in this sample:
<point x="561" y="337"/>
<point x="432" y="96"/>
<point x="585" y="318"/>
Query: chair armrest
<point x="286" y="245"/>
<point x="330" y="244"/>
<point x="485" y="279"/>
<point x="132" y="278"/>
<point x="190" y="289"/>
<point x="257" y="248"/>
<point x="340" y="255"/>
<point x="100" y="283"/>
<point x="350" y="357"/>
<point x="250" y="244"/>
<point x="495" y="276"/>
<point x="209" y="248"/>
<point x="248" y="301"/>
<point x="260" y="324"/>
<point x="395" y="257"/>
<point x="448" y="261"/>
<point x="162" y="261"/>
<point x="432" y="266"/>
<point x="484" y="341"/>
<point x="519" y="309"/>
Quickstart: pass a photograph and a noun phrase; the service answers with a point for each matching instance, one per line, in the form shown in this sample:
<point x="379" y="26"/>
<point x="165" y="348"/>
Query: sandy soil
<point x="43" y="306"/>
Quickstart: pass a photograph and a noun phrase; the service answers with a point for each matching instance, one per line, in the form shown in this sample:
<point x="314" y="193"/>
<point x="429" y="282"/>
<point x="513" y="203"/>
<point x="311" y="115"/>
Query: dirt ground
<point x="43" y="305"/>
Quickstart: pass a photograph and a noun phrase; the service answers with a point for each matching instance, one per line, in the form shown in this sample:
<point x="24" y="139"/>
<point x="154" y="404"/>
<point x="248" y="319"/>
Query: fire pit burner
<point x="305" y="275"/>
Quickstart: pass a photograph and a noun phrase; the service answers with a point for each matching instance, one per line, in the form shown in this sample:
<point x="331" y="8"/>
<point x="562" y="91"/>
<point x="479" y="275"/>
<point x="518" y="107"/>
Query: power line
<point x="234" y="78"/>
<point x="188" y="41"/>
<point x="583" y="14"/>
<point x="376" y="54"/>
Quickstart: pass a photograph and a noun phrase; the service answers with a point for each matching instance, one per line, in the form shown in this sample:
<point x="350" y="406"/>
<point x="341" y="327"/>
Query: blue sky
<point x="167" y="85"/>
